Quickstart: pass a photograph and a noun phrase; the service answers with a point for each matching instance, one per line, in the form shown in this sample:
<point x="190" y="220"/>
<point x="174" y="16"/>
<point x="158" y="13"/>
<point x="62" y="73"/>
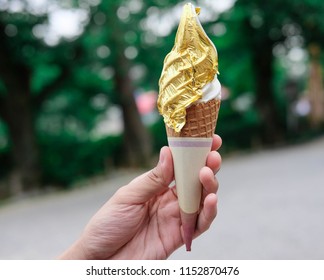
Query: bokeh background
<point x="78" y="90"/>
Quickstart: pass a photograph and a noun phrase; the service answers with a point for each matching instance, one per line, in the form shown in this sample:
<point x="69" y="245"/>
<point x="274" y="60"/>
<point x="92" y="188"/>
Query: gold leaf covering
<point x="191" y="64"/>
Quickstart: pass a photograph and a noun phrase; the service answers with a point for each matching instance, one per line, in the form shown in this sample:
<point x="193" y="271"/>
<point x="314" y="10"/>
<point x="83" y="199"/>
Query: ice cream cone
<point x="189" y="149"/>
<point x="189" y="101"/>
<point x="201" y="120"/>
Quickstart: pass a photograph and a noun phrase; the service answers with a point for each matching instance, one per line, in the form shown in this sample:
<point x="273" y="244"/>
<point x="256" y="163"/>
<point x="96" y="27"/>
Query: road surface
<point x="271" y="206"/>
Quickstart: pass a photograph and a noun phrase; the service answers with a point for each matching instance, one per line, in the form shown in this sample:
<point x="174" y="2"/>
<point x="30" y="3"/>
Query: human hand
<point x="142" y="219"/>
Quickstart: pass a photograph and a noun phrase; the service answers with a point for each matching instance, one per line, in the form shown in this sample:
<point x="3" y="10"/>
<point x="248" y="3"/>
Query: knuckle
<point x="154" y="177"/>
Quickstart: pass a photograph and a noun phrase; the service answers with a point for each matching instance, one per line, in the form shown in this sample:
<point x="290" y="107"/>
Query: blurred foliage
<point x="72" y="159"/>
<point x="72" y="80"/>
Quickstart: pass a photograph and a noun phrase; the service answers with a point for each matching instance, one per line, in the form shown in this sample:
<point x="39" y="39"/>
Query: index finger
<point x="217" y="142"/>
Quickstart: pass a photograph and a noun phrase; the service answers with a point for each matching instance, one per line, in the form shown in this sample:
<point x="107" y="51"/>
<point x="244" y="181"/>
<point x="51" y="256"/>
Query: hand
<point x="142" y="220"/>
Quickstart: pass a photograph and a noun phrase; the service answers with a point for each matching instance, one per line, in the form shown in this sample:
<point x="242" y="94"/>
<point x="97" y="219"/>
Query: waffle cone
<point x="201" y="119"/>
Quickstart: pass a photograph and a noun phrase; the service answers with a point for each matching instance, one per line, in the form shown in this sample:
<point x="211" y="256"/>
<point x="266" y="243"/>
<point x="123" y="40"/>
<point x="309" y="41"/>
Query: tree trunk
<point x="16" y="110"/>
<point x="137" y="141"/>
<point x="315" y="88"/>
<point x="272" y="128"/>
<point x="26" y="174"/>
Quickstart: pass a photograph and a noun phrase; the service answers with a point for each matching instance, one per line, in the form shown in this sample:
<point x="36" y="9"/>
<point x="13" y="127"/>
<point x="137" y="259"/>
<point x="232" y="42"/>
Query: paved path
<point x="271" y="206"/>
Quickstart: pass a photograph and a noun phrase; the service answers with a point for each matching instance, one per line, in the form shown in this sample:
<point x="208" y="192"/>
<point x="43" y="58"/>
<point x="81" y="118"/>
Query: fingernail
<point x="162" y="157"/>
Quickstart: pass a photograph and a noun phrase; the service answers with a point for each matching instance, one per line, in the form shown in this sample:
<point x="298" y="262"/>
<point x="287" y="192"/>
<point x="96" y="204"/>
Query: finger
<point x="208" y="214"/>
<point x="208" y="181"/>
<point x="151" y="183"/>
<point x="213" y="164"/>
<point x="214" y="161"/>
<point x="217" y="142"/>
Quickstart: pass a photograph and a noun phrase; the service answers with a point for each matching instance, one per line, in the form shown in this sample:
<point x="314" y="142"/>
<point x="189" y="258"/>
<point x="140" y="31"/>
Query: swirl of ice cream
<point x="210" y="91"/>
<point x="189" y="72"/>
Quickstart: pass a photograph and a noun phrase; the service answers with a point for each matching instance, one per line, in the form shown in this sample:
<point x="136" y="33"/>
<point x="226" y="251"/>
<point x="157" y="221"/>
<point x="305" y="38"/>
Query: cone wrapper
<point x="189" y="156"/>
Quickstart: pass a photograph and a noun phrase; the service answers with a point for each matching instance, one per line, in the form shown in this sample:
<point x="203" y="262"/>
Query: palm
<point x="149" y="230"/>
<point x="157" y="231"/>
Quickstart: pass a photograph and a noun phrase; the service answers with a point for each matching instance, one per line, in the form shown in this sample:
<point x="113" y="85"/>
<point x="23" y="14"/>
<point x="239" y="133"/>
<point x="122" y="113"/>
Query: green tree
<point x="34" y="76"/>
<point x="31" y="73"/>
<point x="256" y="27"/>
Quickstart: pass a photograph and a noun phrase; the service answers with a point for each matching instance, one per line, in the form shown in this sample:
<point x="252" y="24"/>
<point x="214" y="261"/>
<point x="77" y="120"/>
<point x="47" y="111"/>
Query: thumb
<point x="151" y="183"/>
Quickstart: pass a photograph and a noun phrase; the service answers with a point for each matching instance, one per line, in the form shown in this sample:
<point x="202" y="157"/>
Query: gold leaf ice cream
<point x="190" y="71"/>
<point x="189" y="101"/>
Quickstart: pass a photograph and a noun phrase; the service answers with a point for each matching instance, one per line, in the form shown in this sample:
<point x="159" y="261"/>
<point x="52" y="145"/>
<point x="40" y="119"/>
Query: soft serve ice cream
<point x="190" y="71"/>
